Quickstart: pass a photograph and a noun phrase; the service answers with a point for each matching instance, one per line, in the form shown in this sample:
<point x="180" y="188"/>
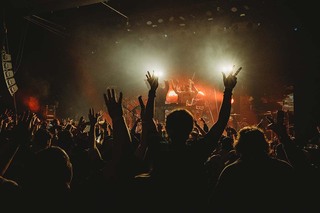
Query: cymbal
<point x="268" y="113"/>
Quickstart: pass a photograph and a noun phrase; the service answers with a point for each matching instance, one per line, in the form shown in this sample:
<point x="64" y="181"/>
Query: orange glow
<point x="172" y="93"/>
<point x="218" y="96"/>
<point x="172" y="97"/>
<point x="232" y="100"/>
<point x="32" y="103"/>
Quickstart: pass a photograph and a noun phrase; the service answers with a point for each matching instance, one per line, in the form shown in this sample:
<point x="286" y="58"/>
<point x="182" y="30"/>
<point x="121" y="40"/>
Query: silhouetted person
<point x="186" y="93"/>
<point x="50" y="176"/>
<point x="178" y="175"/>
<point x="10" y="195"/>
<point x="255" y="182"/>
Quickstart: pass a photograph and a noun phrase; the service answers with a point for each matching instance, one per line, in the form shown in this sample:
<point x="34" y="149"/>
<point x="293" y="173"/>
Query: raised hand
<point x="93" y="117"/>
<point x="82" y="123"/>
<point x="6" y="117"/>
<point x="229" y="81"/>
<point x="152" y="80"/>
<point x="277" y="126"/>
<point x="105" y="124"/>
<point x="114" y="106"/>
<point x="147" y="112"/>
<point x="22" y="130"/>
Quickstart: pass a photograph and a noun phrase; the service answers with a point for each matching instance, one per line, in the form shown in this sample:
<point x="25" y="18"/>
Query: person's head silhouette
<point x="251" y="141"/>
<point x="179" y="124"/>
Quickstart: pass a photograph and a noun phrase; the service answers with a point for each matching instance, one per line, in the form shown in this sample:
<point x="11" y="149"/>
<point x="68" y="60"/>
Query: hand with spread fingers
<point x="114" y="104"/>
<point x="93" y="117"/>
<point x="152" y="80"/>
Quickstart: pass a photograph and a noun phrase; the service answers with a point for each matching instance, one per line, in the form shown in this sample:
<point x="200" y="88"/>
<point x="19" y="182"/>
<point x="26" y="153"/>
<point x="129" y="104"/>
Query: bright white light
<point x="221" y="63"/>
<point x="157" y="70"/>
<point x="201" y="93"/>
<point x="227" y="69"/>
<point x="172" y="93"/>
<point x="159" y="73"/>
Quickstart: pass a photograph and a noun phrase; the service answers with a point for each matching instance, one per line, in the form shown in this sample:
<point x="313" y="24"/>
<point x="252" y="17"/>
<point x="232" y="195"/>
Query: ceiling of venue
<point x="158" y="13"/>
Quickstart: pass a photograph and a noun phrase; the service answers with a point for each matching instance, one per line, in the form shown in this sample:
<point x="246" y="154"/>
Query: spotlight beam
<point x="105" y="4"/>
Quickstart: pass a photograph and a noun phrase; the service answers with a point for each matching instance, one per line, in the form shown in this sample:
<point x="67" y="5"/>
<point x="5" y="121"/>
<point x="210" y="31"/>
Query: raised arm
<point x="153" y="82"/>
<point x="205" y="125"/>
<point x="294" y="155"/>
<point x="174" y="87"/>
<point x="94" y="152"/>
<point x="143" y="145"/>
<point x="21" y="137"/>
<point x="134" y="126"/>
<point x="148" y="125"/>
<point x="199" y="128"/>
<point x="121" y="135"/>
<point x="215" y="132"/>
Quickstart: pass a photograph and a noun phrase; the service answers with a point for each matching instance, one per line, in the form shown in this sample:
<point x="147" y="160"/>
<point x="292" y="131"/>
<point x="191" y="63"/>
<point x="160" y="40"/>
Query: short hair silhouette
<point x="53" y="167"/>
<point x="250" y="141"/>
<point x="179" y="124"/>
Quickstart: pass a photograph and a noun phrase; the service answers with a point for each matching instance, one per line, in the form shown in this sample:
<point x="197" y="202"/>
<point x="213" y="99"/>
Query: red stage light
<point x="32" y="103"/>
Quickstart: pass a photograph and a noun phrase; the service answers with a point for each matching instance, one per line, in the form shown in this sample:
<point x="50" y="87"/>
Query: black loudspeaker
<point x="8" y="72"/>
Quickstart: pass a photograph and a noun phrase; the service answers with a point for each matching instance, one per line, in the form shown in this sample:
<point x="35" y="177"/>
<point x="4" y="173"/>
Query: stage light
<point x="201" y="93"/>
<point x="32" y="103"/>
<point x="234" y="9"/>
<point x="158" y="73"/>
<point x="171" y="93"/>
<point x="157" y="69"/>
<point x="227" y="69"/>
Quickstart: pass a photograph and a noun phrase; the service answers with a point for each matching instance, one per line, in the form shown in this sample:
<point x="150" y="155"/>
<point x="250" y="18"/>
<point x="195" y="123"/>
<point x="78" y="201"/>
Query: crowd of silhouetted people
<point x="181" y="165"/>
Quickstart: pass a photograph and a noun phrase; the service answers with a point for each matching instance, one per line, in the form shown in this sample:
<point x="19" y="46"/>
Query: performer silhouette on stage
<point x="186" y="93"/>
